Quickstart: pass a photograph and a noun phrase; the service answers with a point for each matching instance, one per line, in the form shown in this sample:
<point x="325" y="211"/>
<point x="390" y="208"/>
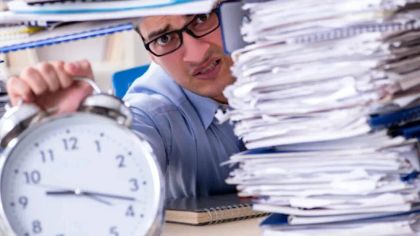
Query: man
<point x="173" y="103"/>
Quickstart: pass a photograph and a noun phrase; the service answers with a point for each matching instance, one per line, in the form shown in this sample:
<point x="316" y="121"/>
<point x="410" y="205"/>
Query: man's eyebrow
<point x="158" y="32"/>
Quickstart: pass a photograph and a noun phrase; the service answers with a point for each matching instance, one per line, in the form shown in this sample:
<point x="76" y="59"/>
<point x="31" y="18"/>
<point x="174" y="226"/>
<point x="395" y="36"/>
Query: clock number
<point x="33" y="177"/>
<point x="70" y="143"/>
<point x="113" y="231"/>
<point x="36" y="227"/>
<point x="121" y="161"/>
<point x="98" y="146"/>
<point x="23" y="201"/>
<point x="135" y="185"/>
<point x="130" y="211"/>
<point x="47" y="155"/>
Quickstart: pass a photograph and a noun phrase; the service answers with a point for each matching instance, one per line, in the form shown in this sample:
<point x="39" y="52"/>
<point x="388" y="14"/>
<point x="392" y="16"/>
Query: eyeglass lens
<point x="199" y="26"/>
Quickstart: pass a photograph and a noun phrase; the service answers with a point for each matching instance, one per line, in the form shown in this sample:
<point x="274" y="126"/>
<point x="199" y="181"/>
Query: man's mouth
<point x="209" y="69"/>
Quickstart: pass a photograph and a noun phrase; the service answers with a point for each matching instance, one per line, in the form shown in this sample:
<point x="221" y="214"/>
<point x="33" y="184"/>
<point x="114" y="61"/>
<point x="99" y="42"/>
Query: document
<point x="327" y="101"/>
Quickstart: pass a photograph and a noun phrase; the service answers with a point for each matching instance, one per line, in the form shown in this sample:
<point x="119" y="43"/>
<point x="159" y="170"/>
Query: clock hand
<point x="73" y="192"/>
<point x="61" y="192"/>
<point x="99" y="200"/>
<point x="110" y="196"/>
<point x="89" y="193"/>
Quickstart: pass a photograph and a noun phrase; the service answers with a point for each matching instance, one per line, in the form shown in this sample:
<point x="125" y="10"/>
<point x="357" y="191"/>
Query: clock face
<point x="80" y="175"/>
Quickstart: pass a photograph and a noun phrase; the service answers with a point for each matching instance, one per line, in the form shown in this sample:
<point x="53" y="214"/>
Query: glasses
<point x="200" y="26"/>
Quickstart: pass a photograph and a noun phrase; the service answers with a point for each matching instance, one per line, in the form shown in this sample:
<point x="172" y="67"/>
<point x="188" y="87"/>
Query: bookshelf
<point x="107" y="54"/>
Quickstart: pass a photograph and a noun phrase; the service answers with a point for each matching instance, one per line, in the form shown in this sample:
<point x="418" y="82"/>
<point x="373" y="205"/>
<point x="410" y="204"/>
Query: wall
<point x="107" y="55"/>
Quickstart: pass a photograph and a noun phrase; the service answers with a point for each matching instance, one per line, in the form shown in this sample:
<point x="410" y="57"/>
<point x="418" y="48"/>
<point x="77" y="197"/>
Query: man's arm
<point x="146" y="128"/>
<point x="51" y="85"/>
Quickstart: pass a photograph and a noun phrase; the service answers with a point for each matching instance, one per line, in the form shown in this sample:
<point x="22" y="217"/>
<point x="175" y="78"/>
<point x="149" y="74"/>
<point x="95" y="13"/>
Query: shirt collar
<point x="158" y="81"/>
<point x="205" y="107"/>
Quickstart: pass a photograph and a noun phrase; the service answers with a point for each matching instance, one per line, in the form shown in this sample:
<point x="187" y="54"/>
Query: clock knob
<point x="109" y="106"/>
<point x="16" y="120"/>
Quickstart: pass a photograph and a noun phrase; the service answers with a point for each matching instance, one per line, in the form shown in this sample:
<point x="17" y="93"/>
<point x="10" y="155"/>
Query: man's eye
<point x="164" y="40"/>
<point x="202" y="18"/>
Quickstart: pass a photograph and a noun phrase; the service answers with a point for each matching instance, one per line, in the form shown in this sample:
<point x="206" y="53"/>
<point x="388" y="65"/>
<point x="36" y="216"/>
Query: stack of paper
<point x="327" y="100"/>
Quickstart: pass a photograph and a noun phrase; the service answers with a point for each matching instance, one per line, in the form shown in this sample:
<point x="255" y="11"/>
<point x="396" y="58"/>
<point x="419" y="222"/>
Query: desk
<point x="235" y="228"/>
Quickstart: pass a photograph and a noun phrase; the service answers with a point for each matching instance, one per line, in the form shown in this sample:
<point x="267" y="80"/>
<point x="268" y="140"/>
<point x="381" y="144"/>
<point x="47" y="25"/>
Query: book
<point x="17" y="31"/>
<point x="209" y="210"/>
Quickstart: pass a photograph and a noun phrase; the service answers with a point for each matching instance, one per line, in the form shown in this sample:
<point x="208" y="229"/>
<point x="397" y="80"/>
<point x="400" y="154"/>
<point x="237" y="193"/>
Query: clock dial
<point x="80" y="175"/>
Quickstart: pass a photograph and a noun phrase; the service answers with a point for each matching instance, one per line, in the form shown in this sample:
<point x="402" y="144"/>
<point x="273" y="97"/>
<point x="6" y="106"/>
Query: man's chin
<point x="213" y="94"/>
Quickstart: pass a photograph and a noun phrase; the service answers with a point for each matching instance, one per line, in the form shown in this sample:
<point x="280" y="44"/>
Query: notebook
<point x="209" y="210"/>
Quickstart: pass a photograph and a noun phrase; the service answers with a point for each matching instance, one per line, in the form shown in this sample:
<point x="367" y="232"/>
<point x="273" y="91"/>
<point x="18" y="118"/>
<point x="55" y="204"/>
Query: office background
<point x="108" y="55"/>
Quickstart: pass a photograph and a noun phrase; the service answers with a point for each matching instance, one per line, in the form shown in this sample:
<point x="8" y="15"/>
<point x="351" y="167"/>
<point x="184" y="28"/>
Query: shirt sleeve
<point x="147" y="128"/>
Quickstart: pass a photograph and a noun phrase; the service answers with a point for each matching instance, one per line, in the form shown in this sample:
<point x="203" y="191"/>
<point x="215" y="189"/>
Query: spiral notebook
<point x="209" y="210"/>
<point x="66" y="33"/>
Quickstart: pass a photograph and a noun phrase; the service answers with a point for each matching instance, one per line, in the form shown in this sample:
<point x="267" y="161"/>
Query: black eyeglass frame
<point x="179" y="33"/>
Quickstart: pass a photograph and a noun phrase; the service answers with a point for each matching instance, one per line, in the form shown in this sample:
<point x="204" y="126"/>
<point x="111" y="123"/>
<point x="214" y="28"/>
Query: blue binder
<point x="281" y="220"/>
<point x="395" y="118"/>
<point x="122" y="80"/>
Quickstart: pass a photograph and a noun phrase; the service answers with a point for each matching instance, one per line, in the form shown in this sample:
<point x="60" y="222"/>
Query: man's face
<point x="199" y="65"/>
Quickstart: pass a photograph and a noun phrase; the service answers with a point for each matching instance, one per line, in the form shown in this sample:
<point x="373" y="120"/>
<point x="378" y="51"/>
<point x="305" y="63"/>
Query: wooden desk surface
<point x="241" y="228"/>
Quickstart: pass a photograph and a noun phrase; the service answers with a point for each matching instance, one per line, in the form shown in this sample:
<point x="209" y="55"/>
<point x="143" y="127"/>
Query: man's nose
<point x="195" y="49"/>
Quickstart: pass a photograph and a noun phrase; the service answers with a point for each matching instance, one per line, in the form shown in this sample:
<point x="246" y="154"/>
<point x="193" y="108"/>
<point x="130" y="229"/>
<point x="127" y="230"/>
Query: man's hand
<point x="52" y="85"/>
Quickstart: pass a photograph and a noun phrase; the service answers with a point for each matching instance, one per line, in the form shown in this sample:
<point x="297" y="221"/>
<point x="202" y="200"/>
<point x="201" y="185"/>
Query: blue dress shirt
<point x="188" y="142"/>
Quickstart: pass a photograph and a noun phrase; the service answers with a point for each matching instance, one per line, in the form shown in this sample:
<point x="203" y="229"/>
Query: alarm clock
<point x="83" y="173"/>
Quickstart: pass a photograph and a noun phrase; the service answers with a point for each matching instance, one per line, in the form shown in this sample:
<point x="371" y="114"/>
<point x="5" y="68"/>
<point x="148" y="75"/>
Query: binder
<point x="77" y="7"/>
<point x="395" y="118"/>
<point x="232" y="16"/>
<point x="285" y="221"/>
<point x="62" y="12"/>
<point x="209" y="210"/>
